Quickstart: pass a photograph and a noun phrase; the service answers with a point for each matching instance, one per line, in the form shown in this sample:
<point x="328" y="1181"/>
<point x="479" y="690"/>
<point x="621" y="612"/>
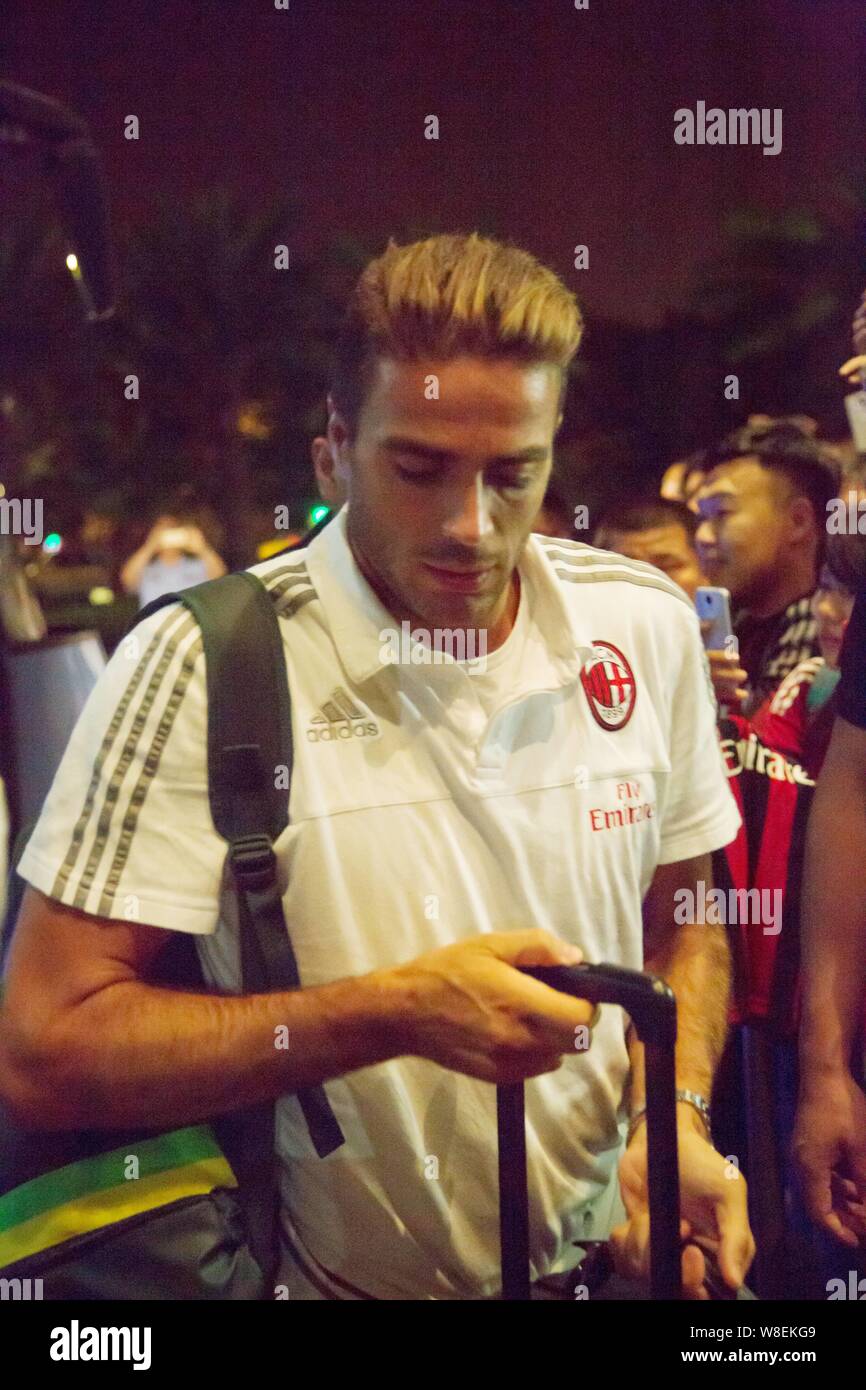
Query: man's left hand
<point x="713" y="1209"/>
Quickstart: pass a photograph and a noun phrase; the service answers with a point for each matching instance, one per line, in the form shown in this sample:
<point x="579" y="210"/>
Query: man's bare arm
<point x="834" y="908"/>
<point x="829" y="1141"/>
<point x="695" y="961"/>
<point x="91" y="1042"/>
<point x="87" y="1040"/>
<point x="133" y="568"/>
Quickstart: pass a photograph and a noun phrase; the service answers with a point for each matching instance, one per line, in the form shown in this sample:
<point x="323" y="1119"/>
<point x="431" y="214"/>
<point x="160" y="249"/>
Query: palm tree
<point x="44" y="355"/>
<point x="229" y="352"/>
<point x="777" y="301"/>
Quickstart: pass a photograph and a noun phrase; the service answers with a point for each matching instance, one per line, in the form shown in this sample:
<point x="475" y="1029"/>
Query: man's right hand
<point x="829" y="1147"/>
<point x="469" y="1008"/>
<point x="728" y="677"/>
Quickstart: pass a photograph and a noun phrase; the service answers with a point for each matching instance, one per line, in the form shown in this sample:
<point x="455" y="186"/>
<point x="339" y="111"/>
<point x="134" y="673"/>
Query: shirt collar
<point x="357" y="618"/>
<point x="797" y="608"/>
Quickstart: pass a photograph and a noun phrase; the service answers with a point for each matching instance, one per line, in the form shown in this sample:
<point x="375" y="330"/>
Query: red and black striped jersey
<point x="773" y="794"/>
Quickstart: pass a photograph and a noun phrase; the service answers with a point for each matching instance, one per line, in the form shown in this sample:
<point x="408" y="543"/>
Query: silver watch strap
<point x="698" y="1102"/>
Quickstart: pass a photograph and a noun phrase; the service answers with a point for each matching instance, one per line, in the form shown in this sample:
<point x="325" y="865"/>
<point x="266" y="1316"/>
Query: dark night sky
<point x="558" y="123"/>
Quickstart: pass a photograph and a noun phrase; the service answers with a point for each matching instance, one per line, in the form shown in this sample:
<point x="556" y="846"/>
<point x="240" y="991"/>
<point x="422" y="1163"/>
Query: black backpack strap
<point x="249" y="738"/>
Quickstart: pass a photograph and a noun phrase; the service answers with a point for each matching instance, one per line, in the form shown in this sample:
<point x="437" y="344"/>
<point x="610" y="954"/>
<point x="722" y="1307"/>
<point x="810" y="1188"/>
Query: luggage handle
<point x="651" y="1005"/>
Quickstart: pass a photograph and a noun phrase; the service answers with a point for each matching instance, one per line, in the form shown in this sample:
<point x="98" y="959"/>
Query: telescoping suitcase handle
<point x="652" y="1007"/>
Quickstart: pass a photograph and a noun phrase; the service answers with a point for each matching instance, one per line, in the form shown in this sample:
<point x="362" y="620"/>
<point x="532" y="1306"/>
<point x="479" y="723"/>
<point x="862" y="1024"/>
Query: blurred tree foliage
<point x="231" y="353"/>
<point x="773" y="307"/>
<point x="232" y="357"/>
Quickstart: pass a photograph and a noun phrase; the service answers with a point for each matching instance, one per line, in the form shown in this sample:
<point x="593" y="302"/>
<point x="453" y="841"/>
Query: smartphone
<point x="714" y="606"/>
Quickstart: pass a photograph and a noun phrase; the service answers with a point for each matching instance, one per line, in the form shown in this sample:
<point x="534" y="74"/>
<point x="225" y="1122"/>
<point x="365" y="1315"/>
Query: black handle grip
<point x="647" y="999"/>
<point x="651" y="1006"/>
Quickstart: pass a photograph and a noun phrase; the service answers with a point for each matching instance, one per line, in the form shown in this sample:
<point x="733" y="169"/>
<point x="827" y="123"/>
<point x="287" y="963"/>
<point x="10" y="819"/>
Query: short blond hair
<point x="452" y="296"/>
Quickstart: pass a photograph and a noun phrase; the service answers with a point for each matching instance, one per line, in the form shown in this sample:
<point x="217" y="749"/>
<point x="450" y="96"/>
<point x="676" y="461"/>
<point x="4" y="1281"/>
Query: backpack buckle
<point x="252" y="861"/>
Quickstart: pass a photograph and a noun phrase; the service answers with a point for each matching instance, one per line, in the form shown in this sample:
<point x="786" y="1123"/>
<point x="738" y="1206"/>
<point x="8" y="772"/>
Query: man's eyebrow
<point x="398" y="444"/>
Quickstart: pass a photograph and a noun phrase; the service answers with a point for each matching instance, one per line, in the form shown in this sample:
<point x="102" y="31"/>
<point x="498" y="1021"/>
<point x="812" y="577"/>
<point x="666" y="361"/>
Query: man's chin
<point x="462" y="610"/>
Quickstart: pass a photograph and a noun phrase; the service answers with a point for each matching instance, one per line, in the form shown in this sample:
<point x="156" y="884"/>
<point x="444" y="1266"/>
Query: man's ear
<point x="337" y="431"/>
<point x="803" y="520"/>
<point x="329" y="476"/>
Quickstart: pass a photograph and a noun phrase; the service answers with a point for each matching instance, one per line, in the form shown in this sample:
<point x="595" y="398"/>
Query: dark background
<point x="306" y="127"/>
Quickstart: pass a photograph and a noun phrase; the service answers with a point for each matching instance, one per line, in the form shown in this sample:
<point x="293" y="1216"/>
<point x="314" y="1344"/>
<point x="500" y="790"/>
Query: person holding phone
<point x="661" y="532"/>
<point x="763" y="513"/>
<point x="174" y="556"/>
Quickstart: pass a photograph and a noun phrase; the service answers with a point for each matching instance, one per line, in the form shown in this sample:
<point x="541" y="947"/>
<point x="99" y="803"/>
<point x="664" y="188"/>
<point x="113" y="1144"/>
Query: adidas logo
<point x="340" y="718"/>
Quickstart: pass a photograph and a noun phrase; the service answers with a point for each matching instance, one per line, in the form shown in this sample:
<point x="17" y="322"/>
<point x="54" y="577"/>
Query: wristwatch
<point x="684" y="1097"/>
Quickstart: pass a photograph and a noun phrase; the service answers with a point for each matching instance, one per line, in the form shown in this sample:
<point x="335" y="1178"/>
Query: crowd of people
<point x="752" y="517"/>
<point x="451" y="844"/>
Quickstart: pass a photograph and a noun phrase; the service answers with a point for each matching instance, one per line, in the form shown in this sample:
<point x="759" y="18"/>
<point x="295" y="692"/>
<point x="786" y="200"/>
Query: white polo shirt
<point x="424" y="811"/>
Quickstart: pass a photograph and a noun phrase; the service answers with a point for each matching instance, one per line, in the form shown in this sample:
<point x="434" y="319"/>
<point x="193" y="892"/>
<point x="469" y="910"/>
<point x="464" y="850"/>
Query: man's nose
<point x="469" y="516"/>
<point x="705" y="535"/>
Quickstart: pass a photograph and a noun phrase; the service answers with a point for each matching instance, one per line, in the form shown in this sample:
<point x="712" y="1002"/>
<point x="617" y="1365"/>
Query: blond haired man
<point x="450" y="820"/>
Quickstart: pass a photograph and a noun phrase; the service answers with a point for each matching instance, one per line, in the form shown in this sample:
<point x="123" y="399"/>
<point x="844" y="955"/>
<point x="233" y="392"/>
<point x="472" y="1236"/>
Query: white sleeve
<point x="700" y="813"/>
<point x="126" y="830"/>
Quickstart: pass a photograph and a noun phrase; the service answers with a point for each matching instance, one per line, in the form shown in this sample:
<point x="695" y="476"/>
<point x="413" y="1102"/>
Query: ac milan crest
<point x="610" y="688"/>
